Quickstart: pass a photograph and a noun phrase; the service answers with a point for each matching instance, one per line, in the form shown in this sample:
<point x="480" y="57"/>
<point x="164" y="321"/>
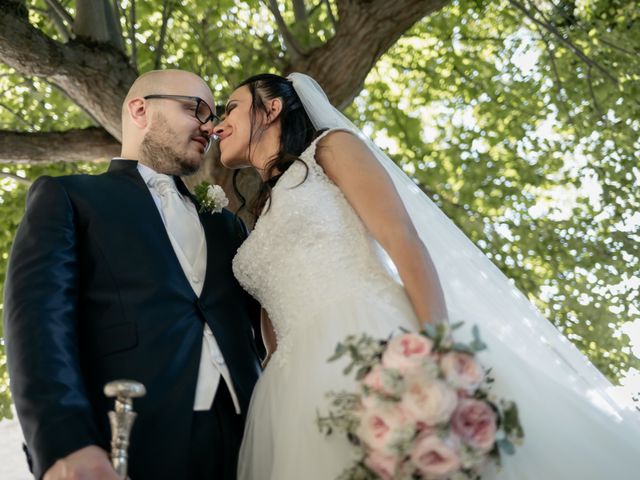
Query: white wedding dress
<point x="320" y="275"/>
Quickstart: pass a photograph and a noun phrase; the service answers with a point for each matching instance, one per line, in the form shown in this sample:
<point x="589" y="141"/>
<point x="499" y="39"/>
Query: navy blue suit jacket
<point x="94" y="292"/>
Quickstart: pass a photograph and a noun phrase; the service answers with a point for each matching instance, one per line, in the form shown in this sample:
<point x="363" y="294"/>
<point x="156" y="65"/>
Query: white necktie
<point x="179" y="220"/>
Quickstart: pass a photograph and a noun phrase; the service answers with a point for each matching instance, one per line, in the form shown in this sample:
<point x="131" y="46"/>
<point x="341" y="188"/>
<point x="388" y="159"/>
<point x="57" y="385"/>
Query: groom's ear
<point x="274" y="109"/>
<point x="137" y="108"/>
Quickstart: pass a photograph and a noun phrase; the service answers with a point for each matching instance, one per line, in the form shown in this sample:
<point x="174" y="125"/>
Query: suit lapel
<point x="206" y="220"/>
<point x="128" y="169"/>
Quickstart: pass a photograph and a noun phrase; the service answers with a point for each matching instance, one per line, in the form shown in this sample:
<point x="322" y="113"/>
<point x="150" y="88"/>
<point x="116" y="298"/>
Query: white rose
<point x="216" y="198"/>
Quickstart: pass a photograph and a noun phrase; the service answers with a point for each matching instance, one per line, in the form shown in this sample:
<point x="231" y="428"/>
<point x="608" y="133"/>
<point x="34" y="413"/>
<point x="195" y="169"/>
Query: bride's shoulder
<point x="340" y="145"/>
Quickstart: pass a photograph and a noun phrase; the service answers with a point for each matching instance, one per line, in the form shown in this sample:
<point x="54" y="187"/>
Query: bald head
<point x="167" y="82"/>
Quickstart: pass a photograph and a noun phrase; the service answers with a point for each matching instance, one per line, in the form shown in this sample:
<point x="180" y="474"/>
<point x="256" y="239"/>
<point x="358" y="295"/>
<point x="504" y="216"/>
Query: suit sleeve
<point x="40" y="326"/>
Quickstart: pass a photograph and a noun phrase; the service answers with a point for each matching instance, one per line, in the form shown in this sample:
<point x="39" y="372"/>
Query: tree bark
<point x="365" y="30"/>
<point x="89" y="144"/>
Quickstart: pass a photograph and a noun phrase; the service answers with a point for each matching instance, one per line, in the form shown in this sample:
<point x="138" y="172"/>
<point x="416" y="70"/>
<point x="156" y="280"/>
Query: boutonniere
<point x="211" y="197"/>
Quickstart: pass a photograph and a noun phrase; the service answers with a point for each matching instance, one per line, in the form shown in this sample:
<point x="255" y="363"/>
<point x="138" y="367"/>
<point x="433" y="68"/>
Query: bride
<point x="345" y="243"/>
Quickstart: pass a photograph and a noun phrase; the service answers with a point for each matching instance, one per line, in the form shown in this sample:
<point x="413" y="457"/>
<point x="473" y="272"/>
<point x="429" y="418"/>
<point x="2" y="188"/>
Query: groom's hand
<point x="88" y="463"/>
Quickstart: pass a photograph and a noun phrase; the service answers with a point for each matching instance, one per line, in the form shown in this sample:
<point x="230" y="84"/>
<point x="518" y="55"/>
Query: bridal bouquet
<point x="423" y="408"/>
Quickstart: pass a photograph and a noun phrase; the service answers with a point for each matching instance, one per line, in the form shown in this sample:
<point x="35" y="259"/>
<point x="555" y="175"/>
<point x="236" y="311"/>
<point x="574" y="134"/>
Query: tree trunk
<point x="96" y="20"/>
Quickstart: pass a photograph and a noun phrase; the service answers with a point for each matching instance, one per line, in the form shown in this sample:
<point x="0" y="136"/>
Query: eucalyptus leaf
<point x="506" y="446"/>
<point x="430" y="330"/>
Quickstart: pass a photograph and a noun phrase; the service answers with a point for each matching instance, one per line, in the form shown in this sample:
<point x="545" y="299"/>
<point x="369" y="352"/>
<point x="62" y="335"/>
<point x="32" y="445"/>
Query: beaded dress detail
<point x="308" y="251"/>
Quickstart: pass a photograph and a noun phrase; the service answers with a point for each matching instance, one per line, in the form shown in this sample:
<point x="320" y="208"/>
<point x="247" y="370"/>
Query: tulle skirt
<point x="568" y="435"/>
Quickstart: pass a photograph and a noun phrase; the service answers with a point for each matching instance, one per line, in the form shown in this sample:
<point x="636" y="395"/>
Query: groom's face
<point x="175" y="142"/>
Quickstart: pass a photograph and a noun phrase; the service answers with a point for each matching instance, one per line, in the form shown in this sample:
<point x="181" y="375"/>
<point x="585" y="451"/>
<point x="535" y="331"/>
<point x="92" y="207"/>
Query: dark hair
<point x="297" y="131"/>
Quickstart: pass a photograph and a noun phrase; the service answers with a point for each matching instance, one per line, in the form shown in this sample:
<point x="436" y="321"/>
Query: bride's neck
<point x="262" y="167"/>
<point x="264" y="155"/>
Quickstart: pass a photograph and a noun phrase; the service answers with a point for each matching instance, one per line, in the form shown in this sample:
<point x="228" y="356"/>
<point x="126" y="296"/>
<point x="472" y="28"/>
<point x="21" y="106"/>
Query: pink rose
<point x="435" y="457"/>
<point x="406" y="351"/>
<point x="461" y="370"/>
<point x="429" y="403"/>
<point x="373" y="380"/>
<point x="474" y="421"/>
<point x="382" y="464"/>
<point x="423" y="429"/>
<point x="381" y="424"/>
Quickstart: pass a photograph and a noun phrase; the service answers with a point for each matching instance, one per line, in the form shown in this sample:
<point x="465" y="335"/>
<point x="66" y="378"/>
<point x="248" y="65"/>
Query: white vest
<point x="212" y="364"/>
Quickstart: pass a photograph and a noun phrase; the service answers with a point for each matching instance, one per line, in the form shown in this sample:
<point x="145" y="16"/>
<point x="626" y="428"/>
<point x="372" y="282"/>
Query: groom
<point x="118" y="276"/>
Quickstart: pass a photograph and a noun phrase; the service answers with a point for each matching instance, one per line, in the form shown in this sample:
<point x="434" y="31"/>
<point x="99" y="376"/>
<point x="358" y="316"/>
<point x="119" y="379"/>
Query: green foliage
<point x="522" y="124"/>
<point x="30" y="104"/>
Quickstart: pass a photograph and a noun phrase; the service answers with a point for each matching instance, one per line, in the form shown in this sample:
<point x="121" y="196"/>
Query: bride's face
<point x="235" y="130"/>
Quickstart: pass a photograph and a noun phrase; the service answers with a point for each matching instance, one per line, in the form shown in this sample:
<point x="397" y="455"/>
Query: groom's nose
<point x="207" y="128"/>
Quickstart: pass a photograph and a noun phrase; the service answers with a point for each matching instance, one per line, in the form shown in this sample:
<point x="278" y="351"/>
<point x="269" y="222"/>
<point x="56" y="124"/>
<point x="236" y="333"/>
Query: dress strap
<point x="309" y="155"/>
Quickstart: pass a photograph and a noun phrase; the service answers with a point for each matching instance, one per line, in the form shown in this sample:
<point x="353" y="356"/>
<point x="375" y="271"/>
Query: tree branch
<point x="96" y="77"/>
<point x="132" y="36"/>
<point x="330" y="14"/>
<point x="481" y="39"/>
<point x="59" y="16"/>
<point x="616" y="47"/>
<point x="221" y="70"/>
<point x="596" y="105"/>
<point x="578" y="24"/>
<point x="59" y="24"/>
<point x="299" y="11"/>
<point x="88" y="144"/>
<point x="554" y="31"/>
<point x="290" y="43"/>
<point x="364" y="32"/>
<point x="60" y="10"/>
<point x="114" y="27"/>
<point x="556" y="74"/>
<point x="317" y="6"/>
<point x="95" y="20"/>
<point x="166" y="14"/>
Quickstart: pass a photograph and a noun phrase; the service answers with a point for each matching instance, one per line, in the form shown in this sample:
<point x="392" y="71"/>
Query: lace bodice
<point x="308" y="249"/>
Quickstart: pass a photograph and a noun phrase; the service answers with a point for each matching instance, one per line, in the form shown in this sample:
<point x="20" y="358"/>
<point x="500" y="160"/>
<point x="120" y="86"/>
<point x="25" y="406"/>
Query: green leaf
<point x="362" y="372"/>
<point x="477" y="344"/>
<point x="430" y="330"/>
<point x="506" y="446"/>
<point x="339" y="352"/>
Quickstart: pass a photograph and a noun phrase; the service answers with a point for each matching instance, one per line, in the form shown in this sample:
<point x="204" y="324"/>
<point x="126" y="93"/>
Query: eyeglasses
<point x="202" y="111"/>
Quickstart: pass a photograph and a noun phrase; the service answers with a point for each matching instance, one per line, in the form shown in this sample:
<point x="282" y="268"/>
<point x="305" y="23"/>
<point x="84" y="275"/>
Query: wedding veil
<point x="522" y="344"/>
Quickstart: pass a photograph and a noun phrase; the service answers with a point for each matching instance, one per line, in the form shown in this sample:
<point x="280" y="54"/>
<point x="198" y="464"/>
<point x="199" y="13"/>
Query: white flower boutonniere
<point x="211" y="197"/>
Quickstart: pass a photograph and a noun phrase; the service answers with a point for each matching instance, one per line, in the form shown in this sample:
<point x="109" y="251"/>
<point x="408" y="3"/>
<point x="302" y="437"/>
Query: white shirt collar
<point x="147" y="173"/>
